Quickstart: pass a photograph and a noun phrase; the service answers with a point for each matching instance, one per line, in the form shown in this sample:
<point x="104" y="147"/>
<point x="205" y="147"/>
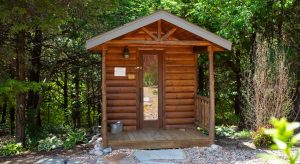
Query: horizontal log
<point x="202" y="98"/>
<point x="113" y="77"/>
<point x="121" y="96"/>
<point x="180" y="121"/>
<point x="122" y="63"/>
<point x="120" y="83"/>
<point x="177" y="69"/>
<point x="181" y="62"/>
<point x="179" y="49"/>
<point x="121" y="109"/>
<point x="173" y="54"/>
<point x="121" y="90"/>
<point x="180" y="114"/>
<point x="127" y="122"/>
<point x="129" y="69"/>
<point x="129" y="128"/>
<point x="179" y="95"/>
<point x="121" y="102"/>
<point x="180" y="89"/>
<point x="185" y="126"/>
<point x="180" y="101"/>
<point x="121" y="116"/>
<point x="113" y="50"/>
<point x="179" y="108"/>
<point x="167" y="42"/>
<point x="180" y="83"/>
<point x="179" y="76"/>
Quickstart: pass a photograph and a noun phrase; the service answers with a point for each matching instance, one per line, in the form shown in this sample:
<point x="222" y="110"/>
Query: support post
<point x="159" y="30"/>
<point x="104" y="117"/>
<point x="211" y="95"/>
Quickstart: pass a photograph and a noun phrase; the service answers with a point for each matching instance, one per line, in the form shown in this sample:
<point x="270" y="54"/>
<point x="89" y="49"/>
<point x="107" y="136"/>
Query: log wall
<point x="121" y="91"/>
<point x="180" y="86"/>
<point x="179" y="83"/>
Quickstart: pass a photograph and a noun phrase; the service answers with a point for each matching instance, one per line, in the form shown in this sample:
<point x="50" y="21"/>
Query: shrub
<point x="225" y="131"/>
<point x="11" y="148"/>
<point x="49" y="143"/>
<point x="260" y="139"/>
<point x="284" y="139"/>
<point x="73" y="138"/>
<point x="244" y="134"/>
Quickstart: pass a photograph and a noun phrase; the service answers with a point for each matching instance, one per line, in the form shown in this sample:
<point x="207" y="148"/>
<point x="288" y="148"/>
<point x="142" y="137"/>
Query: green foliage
<point x="230" y="132"/>
<point x="260" y="139"/>
<point x="225" y="131"/>
<point x="49" y="143"/>
<point x="244" y="134"/>
<point x="203" y="131"/>
<point x="36" y="134"/>
<point x="149" y="79"/>
<point x="73" y="138"/>
<point x="9" y="88"/>
<point x="11" y="148"/>
<point x="283" y="136"/>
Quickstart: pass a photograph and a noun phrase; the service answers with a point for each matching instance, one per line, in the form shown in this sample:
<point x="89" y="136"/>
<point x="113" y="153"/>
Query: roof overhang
<point x="129" y="27"/>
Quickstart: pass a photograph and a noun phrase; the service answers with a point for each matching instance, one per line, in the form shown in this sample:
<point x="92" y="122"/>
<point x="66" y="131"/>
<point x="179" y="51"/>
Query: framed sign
<point x="120" y="71"/>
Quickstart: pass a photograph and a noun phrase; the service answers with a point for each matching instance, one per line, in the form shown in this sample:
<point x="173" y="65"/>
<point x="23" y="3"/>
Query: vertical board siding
<point x="179" y="87"/>
<point x="121" y="91"/>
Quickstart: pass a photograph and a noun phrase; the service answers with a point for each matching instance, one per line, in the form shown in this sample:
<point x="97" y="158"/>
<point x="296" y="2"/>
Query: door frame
<point x="140" y="114"/>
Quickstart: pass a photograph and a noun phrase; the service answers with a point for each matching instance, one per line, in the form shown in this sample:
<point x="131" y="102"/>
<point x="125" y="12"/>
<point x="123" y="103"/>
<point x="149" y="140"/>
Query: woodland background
<point x="49" y="80"/>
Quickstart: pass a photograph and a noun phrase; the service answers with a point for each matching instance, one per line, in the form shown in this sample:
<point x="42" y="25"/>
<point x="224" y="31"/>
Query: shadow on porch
<point x="158" y="138"/>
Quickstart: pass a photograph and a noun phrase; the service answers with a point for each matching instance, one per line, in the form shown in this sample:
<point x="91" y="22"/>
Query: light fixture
<point x="126" y="52"/>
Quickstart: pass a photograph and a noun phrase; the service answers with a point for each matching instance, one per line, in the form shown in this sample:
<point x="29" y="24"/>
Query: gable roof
<point x="209" y="36"/>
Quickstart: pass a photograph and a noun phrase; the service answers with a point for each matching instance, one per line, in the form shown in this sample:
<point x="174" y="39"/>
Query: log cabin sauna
<point x="151" y="65"/>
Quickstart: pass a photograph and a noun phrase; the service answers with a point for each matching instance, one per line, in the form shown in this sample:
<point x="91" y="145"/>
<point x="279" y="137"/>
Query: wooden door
<point x="150" y="88"/>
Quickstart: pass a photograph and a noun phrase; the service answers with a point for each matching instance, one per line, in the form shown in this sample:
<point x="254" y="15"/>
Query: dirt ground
<point x="31" y="157"/>
<point x="151" y="106"/>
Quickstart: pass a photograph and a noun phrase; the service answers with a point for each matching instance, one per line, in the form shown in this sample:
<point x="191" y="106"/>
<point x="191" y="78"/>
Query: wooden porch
<point x="157" y="139"/>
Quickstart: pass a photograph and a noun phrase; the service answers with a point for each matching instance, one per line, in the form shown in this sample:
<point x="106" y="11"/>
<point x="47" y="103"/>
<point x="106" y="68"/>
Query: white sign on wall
<point x="120" y="71"/>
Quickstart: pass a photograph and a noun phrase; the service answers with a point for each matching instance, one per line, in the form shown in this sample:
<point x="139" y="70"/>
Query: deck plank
<point x="156" y="139"/>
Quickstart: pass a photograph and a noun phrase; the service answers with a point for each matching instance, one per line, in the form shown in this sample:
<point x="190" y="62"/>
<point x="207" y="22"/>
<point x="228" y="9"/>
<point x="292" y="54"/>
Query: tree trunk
<point x="12" y="120"/>
<point x="65" y="105"/>
<point x="3" y="119"/>
<point x="20" y="98"/>
<point x="89" y="104"/>
<point x="34" y="75"/>
<point x="238" y="98"/>
<point x="76" y="110"/>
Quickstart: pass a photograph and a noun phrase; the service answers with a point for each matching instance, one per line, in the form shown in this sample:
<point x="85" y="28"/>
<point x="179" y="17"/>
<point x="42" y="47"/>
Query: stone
<point x="92" y="152"/>
<point x="100" y="161"/>
<point x="246" y="145"/>
<point x="98" y="153"/>
<point x="107" y="150"/>
<point x="72" y="162"/>
<point x="147" y="155"/>
<point x="215" y="147"/>
<point x="94" y="138"/>
<point x="115" y="158"/>
<point x="155" y="162"/>
<point x="52" y="161"/>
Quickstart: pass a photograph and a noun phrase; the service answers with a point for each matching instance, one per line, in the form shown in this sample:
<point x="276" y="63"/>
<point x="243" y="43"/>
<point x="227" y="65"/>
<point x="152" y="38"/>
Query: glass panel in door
<point x="150" y="87"/>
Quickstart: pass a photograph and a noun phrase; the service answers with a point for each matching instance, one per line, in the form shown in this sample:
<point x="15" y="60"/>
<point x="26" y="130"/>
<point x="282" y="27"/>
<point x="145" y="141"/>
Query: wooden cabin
<point x="149" y="83"/>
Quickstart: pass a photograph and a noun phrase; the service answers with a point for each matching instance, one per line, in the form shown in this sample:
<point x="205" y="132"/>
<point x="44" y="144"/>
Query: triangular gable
<point x="129" y="27"/>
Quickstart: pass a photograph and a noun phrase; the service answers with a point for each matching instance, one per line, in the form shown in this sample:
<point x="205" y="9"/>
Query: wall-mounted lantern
<point x="126" y="52"/>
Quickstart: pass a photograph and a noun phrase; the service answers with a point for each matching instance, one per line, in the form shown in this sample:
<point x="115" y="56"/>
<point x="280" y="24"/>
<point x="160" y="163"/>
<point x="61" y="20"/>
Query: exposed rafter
<point x="169" y="33"/>
<point x="149" y="33"/>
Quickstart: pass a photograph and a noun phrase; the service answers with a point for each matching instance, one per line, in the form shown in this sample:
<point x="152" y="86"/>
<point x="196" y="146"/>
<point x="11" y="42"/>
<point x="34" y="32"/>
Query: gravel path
<point x="196" y="155"/>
